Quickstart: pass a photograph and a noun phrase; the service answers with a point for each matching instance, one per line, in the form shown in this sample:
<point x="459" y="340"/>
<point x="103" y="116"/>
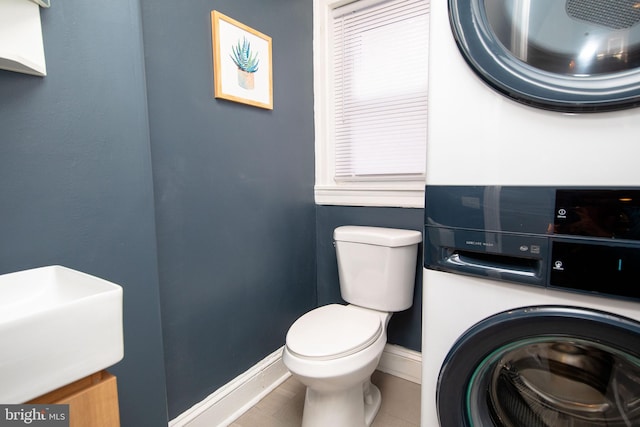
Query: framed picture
<point x="241" y="62"/>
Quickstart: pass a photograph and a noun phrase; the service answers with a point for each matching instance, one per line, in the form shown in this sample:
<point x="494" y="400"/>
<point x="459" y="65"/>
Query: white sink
<point x="57" y="325"/>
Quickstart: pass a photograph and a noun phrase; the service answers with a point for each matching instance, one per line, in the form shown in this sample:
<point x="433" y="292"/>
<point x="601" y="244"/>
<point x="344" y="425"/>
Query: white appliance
<point x="471" y="300"/>
<point x="480" y="136"/>
<point x="531" y="307"/>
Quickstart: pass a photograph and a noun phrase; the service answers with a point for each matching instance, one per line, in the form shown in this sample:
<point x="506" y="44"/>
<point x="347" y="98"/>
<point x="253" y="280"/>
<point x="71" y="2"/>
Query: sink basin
<point x="57" y="325"/>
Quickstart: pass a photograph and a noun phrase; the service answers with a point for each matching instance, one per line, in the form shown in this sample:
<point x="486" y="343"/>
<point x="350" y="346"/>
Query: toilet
<point x="334" y="349"/>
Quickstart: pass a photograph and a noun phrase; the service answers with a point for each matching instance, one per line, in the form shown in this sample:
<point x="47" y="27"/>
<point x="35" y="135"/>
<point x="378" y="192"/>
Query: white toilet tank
<point x="377" y="266"/>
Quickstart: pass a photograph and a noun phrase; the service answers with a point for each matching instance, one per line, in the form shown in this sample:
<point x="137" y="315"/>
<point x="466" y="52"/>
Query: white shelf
<point x="21" y="45"/>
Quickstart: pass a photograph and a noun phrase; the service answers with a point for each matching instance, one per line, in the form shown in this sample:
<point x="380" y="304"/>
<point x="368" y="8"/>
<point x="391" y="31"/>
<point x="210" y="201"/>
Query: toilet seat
<point x="333" y="331"/>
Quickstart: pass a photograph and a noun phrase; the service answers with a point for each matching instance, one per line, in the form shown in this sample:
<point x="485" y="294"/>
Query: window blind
<point x="380" y="80"/>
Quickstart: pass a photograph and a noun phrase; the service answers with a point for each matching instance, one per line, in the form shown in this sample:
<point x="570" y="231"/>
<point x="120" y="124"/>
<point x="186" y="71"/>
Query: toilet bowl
<point x="335" y="360"/>
<point x="334" y="349"/>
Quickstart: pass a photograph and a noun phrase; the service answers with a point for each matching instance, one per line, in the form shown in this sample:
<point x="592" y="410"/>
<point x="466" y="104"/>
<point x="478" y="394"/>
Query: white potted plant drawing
<point x="247" y="63"/>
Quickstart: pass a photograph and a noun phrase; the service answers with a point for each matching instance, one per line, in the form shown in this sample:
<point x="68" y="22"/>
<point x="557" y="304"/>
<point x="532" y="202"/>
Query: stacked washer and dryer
<point x="532" y="215"/>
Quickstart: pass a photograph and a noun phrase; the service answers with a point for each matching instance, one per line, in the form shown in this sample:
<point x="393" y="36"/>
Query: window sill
<point x="370" y="196"/>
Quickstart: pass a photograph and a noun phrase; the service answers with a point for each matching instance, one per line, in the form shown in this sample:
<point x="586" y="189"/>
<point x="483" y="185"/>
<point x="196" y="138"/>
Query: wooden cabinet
<point x="93" y="401"/>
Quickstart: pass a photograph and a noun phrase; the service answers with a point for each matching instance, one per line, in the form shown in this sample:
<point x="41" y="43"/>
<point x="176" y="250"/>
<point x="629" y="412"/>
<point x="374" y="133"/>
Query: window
<point x="371" y="60"/>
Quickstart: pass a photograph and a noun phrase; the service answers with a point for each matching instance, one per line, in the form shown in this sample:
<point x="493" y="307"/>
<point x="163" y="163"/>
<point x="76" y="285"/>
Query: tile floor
<point x="283" y="406"/>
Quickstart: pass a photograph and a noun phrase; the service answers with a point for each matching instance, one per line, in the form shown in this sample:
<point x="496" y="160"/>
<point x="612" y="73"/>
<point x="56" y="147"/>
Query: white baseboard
<point x="401" y="362"/>
<point x="233" y="399"/>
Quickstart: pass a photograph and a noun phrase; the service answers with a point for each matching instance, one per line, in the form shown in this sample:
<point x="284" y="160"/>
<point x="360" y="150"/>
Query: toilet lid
<point x="333" y="331"/>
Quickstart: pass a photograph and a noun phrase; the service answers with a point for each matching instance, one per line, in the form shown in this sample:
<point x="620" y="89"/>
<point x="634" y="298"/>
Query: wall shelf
<point x="21" y="44"/>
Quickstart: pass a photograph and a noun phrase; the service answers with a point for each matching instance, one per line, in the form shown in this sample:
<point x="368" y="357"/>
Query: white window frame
<point x="392" y="192"/>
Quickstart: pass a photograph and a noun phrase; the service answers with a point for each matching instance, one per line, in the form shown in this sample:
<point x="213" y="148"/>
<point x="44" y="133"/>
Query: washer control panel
<point x="577" y="239"/>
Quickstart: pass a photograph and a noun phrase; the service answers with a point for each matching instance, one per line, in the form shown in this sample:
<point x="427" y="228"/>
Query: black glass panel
<point x="598" y="213"/>
<point x="608" y="270"/>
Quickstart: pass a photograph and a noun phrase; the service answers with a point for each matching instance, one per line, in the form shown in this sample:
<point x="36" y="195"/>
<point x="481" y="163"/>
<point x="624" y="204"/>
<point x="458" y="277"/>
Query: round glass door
<point x="564" y="55"/>
<point x="543" y="367"/>
<point x="556" y="381"/>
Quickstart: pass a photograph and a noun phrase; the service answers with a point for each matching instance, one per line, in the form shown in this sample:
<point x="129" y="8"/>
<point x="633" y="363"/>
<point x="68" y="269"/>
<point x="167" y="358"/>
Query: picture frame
<point x="242" y="62"/>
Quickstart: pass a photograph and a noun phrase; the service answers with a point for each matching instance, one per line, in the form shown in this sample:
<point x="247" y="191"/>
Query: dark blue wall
<point x="234" y="193"/>
<point x="75" y="178"/>
<point x="235" y="220"/>
<point x="405" y="327"/>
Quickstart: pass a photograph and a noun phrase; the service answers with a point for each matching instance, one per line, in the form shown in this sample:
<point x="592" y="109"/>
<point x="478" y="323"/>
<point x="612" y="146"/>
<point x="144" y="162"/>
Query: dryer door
<point x="541" y="367"/>
<point x="564" y="55"/>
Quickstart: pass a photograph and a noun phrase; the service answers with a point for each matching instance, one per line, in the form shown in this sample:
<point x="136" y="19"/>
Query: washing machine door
<point x="563" y="55"/>
<point x="543" y="366"/>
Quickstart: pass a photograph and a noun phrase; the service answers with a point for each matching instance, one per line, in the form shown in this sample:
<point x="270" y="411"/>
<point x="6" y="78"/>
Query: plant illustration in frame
<point x="241" y="62"/>
<point x="247" y="62"/>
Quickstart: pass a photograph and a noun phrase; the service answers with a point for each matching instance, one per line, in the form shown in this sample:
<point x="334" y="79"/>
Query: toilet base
<point x="354" y="407"/>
